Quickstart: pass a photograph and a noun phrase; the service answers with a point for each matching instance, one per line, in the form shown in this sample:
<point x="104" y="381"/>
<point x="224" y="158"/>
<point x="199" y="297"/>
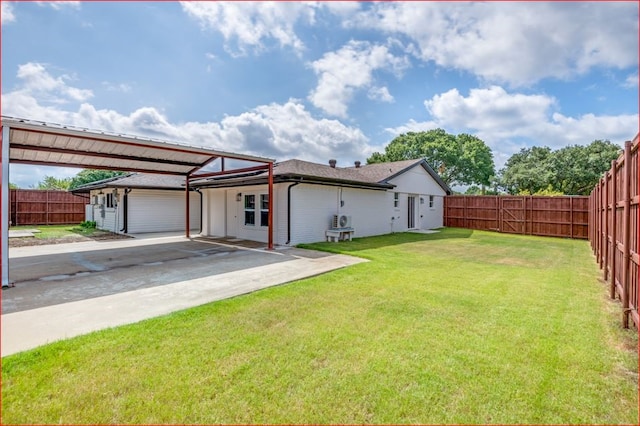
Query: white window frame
<point x="432" y="202"/>
<point x="262" y="209"/>
<point x="257" y="209"/>
<point x="248" y="209"/>
<point x="396" y="200"/>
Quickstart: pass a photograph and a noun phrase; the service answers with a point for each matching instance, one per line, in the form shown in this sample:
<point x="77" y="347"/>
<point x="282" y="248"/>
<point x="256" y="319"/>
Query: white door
<point x="411" y="212"/>
<point x="232" y="213"/>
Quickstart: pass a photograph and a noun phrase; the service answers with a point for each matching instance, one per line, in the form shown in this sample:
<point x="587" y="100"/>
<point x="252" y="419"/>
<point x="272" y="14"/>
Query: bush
<point x="88" y="224"/>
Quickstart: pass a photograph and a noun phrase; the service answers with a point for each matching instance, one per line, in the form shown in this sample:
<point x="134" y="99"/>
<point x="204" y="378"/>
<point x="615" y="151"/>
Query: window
<point x="254" y="211"/>
<point x="430" y="201"/>
<point x="109" y="201"/>
<point x="264" y="209"/>
<point x="396" y="199"/>
<point x="250" y="210"/>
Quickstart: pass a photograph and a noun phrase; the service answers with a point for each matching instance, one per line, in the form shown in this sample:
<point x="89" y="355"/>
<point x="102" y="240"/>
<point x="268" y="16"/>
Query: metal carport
<point x="38" y="143"/>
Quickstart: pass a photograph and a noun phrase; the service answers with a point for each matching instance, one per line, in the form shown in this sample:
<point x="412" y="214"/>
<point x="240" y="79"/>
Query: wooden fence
<point x="613" y="229"/>
<point x="38" y="207"/>
<point x="527" y="215"/>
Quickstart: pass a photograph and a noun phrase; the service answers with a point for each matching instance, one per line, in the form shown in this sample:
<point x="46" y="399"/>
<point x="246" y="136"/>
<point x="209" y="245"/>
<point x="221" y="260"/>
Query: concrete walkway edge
<point x="29" y="329"/>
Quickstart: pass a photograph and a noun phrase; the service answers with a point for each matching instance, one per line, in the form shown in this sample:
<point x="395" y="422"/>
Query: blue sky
<point x="323" y="80"/>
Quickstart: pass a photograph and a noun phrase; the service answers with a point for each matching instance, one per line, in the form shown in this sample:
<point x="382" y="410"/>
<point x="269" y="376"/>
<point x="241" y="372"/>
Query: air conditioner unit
<point x="341" y="221"/>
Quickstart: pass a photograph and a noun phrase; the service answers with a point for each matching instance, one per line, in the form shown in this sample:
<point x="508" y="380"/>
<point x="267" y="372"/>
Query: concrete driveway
<point x="70" y="289"/>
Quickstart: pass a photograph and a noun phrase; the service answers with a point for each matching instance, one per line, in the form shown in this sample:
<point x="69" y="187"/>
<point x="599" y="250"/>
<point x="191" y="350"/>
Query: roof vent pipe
<point x="357" y="163"/>
<point x="332" y="163"/>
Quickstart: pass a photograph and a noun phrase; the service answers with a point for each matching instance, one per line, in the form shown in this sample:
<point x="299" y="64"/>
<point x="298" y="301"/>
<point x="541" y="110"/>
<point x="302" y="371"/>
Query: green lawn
<point x="58" y="231"/>
<point x="455" y="327"/>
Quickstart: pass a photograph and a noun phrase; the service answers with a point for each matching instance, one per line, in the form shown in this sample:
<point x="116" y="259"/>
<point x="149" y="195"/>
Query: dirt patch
<point x="96" y="236"/>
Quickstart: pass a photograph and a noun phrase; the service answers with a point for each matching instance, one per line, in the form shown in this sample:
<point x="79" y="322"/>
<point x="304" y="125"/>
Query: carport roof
<point x="40" y="143"/>
<point x="135" y="180"/>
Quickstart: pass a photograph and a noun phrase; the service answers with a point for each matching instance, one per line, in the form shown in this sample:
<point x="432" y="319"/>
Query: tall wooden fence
<point x="37" y="207"/>
<point x="613" y="229"/>
<point x="527" y="215"/>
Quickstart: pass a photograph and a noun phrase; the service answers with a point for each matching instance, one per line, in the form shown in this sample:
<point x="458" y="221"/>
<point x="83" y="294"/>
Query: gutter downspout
<point x="125" y="211"/>
<point x="289" y="211"/>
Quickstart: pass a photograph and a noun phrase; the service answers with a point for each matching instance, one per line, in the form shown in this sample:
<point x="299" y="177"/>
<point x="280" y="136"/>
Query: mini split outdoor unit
<point x="341" y="221"/>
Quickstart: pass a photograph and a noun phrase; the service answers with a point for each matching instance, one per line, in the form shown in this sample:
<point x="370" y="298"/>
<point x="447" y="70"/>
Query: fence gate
<point x="512" y="215"/>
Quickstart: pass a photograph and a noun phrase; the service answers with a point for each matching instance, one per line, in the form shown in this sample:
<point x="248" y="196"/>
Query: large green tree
<point x="572" y="170"/>
<point x="459" y="159"/>
<point x="527" y="171"/>
<point x="51" y="182"/>
<point x="91" y="175"/>
<point x="577" y="169"/>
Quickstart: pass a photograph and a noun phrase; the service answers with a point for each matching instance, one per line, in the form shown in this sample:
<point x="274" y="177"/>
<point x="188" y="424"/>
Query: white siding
<point x="214" y="205"/>
<point x="106" y="219"/>
<point x="416" y="181"/>
<point x="432" y="217"/>
<point x="313" y="207"/>
<point x="249" y="232"/>
<point x="161" y="211"/>
<point x="370" y="211"/>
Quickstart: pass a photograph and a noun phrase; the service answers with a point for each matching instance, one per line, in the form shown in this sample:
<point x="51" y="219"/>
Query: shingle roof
<point x="382" y="172"/>
<point x="370" y="175"/>
<point x="136" y="180"/>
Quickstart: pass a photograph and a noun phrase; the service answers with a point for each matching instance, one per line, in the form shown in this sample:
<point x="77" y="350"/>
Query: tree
<point x="578" y="168"/>
<point x="527" y="171"/>
<point x="91" y="175"/>
<point x="13" y="186"/>
<point x="51" y="182"/>
<point x="463" y="159"/>
<point x="572" y="170"/>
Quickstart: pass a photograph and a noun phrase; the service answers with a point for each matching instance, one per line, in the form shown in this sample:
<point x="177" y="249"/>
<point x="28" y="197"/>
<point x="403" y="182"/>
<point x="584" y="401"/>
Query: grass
<point x="59" y="231"/>
<point x="454" y="327"/>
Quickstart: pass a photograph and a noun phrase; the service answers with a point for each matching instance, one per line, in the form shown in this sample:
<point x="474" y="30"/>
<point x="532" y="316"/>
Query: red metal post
<point x="4" y="206"/>
<point x="270" y="214"/>
<point x="187" y="213"/>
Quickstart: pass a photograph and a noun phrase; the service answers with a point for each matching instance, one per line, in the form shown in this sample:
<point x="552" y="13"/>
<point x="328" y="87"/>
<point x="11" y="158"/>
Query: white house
<point x="140" y="203"/>
<point x="378" y="198"/>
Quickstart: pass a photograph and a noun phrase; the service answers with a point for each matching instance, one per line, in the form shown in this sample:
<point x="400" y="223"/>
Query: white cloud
<point x="281" y="131"/>
<point x="631" y="81"/>
<point x="7" y="13"/>
<point x="249" y="24"/>
<point x="59" y="4"/>
<point x="116" y="87"/>
<point x="36" y="79"/>
<point x="380" y="94"/>
<point x="348" y="69"/>
<point x="517" y="43"/>
<point x="504" y="120"/>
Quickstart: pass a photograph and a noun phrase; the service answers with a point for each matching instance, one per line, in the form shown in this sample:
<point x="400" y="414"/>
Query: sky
<point x="322" y="80"/>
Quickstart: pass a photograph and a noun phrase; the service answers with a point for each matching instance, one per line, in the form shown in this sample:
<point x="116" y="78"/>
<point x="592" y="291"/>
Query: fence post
<point x="16" y="208"/>
<point x="606" y="227"/>
<point x="571" y="216"/>
<point x="498" y="213"/>
<point x="614" y="238"/>
<point x="598" y="224"/>
<point x="464" y="201"/>
<point x="626" y="234"/>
